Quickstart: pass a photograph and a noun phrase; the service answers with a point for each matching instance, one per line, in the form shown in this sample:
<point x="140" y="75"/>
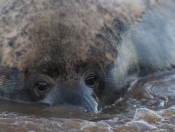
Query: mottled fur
<point x="81" y="25"/>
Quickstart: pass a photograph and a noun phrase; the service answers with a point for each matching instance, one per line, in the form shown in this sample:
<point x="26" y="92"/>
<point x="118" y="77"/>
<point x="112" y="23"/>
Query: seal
<point x="84" y="53"/>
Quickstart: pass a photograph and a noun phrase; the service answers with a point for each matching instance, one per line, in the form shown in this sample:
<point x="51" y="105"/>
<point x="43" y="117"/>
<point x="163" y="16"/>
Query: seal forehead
<point x="65" y="31"/>
<point x="66" y="39"/>
<point x="70" y="41"/>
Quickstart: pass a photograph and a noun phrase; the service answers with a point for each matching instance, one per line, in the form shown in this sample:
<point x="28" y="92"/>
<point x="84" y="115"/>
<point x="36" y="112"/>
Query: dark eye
<point x="91" y="81"/>
<point x="42" y="87"/>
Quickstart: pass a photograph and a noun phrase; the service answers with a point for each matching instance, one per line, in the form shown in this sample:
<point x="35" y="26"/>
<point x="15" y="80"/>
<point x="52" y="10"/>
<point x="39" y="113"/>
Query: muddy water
<point x="148" y="106"/>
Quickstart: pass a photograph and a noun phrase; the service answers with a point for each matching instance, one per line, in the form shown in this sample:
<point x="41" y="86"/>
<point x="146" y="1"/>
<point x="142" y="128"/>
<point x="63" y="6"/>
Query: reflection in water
<point x="148" y="106"/>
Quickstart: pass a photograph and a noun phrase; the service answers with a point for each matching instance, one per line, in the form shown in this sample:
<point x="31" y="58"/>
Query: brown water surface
<point x="148" y="106"/>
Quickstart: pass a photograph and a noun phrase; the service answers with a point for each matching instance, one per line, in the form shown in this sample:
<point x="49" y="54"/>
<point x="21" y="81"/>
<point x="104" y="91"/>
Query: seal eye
<point x="91" y="81"/>
<point x="42" y="87"/>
